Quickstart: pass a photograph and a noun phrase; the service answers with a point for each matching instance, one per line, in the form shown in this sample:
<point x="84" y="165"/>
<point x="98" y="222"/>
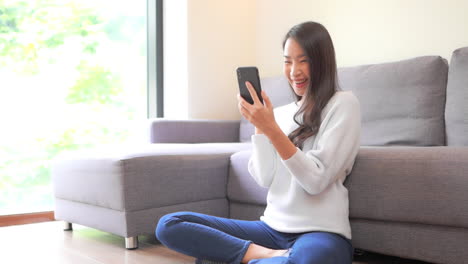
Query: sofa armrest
<point x="193" y="131"/>
<point x="424" y="185"/>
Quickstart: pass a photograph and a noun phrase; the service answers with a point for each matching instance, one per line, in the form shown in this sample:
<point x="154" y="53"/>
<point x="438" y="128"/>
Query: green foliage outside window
<point x="63" y="50"/>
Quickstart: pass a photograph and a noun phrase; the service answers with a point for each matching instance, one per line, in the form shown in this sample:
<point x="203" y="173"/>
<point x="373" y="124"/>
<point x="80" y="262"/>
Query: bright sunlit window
<point x="72" y="76"/>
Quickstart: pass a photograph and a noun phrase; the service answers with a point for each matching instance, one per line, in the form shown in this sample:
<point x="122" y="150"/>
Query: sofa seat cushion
<point x="402" y="103"/>
<point x="136" y="178"/>
<point x="242" y="188"/>
<point x="456" y="111"/>
<point x="426" y="185"/>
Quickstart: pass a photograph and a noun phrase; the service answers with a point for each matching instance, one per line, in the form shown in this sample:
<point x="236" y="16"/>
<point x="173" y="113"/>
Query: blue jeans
<point x="227" y="240"/>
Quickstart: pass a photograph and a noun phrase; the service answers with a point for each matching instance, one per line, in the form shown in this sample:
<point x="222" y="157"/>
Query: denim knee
<point x="164" y="227"/>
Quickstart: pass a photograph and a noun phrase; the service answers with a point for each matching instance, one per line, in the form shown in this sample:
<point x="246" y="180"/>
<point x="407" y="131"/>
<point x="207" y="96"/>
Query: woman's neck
<point x="299" y="103"/>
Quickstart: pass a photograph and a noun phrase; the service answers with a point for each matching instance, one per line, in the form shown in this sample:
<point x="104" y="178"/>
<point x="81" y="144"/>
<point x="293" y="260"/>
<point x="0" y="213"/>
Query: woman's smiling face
<point x="296" y="67"/>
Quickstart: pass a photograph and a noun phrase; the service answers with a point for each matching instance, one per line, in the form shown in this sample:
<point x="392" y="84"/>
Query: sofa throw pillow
<point x="402" y="103"/>
<point x="456" y="110"/>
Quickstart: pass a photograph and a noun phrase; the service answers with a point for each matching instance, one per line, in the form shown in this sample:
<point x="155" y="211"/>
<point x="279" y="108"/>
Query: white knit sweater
<point x="306" y="192"/>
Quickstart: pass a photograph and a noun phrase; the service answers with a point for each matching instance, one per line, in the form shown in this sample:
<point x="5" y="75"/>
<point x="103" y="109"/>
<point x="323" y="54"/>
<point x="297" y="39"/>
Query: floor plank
<point x="37" y="243"/>
<point x="48" y="243"/>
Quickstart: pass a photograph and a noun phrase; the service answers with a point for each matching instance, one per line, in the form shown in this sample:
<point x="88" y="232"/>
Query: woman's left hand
<point x="260" y="115"/>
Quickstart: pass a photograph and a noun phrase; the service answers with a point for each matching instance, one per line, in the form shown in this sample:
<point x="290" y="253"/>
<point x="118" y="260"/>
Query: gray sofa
<point x="408" y="189"/>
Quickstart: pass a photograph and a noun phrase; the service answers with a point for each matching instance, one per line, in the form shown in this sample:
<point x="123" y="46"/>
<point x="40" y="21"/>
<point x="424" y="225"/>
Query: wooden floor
<point x="48" y="243"/>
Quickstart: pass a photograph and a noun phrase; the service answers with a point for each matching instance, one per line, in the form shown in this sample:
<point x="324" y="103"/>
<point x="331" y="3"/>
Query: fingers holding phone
<point x="253" y="103"/>
<point x="253" y="93"/>
<point x="250" y="75"/>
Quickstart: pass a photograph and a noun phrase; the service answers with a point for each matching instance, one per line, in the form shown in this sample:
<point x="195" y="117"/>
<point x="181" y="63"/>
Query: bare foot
<point x="278" y="252"/>
<point x="258" y="252"/>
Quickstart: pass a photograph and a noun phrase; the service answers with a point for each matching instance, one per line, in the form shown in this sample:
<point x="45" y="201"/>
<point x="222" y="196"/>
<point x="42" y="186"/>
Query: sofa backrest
<point x="402" y="102"/>
<point x="456" y="110"/>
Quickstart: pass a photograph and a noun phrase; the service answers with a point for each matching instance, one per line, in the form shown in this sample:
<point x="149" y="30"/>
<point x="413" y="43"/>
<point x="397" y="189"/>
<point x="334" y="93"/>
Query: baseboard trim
<point x="30" y="218"/>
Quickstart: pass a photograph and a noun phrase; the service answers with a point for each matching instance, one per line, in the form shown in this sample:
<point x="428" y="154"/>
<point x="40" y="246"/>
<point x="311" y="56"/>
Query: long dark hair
<point x="316" y="41"/>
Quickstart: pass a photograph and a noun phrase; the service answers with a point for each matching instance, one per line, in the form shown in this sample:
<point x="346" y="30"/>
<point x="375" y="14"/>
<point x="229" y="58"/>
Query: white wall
<point x="201" y="58"/>
<point x="366" y="31"/>
<point x="224" y="34"/>
<point x="221" y="37"/>
<point x="175" y="59"/>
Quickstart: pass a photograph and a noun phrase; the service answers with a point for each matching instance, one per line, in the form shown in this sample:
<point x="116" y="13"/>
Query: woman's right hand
<point x="259" y="114"/>
<point x="263" y="118"/>
<point x="239" y="106"/>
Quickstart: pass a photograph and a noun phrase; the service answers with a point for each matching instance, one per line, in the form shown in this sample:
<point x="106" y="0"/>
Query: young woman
<point x="302" y="152"/>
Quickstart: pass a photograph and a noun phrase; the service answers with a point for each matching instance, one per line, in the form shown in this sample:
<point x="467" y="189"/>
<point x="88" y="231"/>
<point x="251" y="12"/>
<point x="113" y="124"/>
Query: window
<point x="73" y="75"/>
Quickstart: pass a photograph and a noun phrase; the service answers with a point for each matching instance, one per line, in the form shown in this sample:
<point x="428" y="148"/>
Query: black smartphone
<point x="249" y="74"/>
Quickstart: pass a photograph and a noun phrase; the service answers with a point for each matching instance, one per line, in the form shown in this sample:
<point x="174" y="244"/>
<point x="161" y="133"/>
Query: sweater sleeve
<point x="336" y="147"/>
<point x="262" y="163"/>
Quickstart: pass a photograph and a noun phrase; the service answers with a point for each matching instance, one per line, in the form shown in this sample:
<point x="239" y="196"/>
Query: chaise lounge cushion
<point x="136" y="177"/>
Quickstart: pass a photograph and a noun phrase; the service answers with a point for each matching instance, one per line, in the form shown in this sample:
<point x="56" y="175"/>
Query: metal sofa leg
<point x="131" y="242"/>
<point x="67" y="226"/>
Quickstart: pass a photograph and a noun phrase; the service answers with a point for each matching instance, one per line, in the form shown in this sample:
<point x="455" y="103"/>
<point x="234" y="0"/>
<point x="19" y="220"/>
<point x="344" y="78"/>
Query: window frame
<point x="155" y="65"/>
